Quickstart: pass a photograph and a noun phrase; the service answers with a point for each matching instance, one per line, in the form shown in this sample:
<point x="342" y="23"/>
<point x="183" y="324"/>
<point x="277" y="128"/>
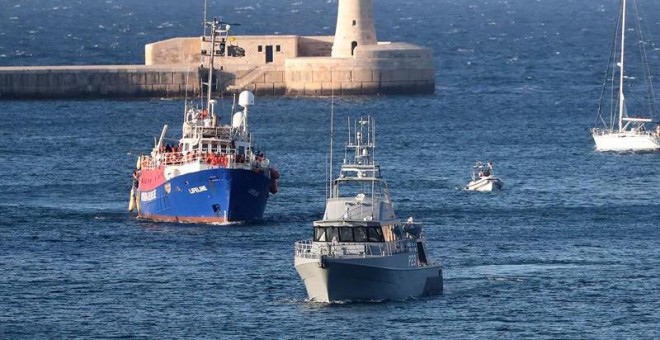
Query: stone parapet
<point x="385" y="68"/>
<point x="376" y="69"/>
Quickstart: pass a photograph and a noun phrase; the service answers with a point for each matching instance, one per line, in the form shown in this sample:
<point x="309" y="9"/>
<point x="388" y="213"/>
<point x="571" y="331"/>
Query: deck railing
<point x="314" y="250"/>
<point x="179" y="158"/>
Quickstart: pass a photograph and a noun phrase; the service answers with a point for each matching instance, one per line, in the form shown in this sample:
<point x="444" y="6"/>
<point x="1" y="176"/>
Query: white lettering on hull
<point x="197" y="190"/>
<point x="148" y="196"/>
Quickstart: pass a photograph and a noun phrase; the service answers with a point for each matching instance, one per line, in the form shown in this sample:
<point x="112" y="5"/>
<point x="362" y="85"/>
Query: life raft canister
<point x="274" y="175"/>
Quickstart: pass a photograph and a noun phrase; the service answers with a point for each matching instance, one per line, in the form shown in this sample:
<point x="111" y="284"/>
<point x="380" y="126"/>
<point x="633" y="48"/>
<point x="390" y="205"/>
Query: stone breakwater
<point x="175" y="81"/>
<point x="107" y="81"/>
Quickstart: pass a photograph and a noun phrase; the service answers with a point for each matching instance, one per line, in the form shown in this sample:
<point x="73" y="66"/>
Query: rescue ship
<point x="214" y="174"/>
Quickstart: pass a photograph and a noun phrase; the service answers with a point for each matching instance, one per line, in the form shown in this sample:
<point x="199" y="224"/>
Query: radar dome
<point x="237" y="120"/>
<point x="245" y="99"/>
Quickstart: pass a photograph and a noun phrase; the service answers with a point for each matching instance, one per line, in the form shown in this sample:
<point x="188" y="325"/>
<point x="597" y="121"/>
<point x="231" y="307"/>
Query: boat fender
<point x="273" y="186"/>
<point x="274" y="174"/>
<point x="131" y="201"/>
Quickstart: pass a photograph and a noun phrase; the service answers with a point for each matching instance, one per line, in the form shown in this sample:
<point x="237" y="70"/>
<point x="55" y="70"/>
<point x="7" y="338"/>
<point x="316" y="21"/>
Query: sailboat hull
<point x="626" y="141"/>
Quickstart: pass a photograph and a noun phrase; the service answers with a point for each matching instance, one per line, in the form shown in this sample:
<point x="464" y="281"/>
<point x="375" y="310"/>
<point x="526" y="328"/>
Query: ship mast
<point x="332" y="136"/>
<point x="214" y="25"/>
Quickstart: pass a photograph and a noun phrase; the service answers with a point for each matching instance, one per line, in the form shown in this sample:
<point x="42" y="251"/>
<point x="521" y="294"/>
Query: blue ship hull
<point x="209" y="196"/>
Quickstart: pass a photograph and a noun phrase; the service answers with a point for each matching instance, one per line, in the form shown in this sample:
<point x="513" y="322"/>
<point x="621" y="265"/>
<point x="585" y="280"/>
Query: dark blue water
<point x="570" y="248"/>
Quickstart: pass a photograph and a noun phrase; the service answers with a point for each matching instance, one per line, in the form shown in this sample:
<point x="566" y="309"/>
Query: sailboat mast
<point x="623" y="41"/>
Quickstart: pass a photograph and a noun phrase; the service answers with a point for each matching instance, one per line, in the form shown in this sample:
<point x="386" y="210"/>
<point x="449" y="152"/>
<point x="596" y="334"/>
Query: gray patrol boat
<point x="361" y="250"/>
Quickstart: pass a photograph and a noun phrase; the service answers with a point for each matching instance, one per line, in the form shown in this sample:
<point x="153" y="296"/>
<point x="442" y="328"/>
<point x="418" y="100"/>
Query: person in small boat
<point x="488" y="169"/>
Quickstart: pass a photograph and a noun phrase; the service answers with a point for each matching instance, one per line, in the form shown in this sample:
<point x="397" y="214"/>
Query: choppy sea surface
<point x="569" y="249"/>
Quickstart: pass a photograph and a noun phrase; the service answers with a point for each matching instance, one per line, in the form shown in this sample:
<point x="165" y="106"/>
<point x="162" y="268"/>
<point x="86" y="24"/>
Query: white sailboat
<point x="628" y="133"/>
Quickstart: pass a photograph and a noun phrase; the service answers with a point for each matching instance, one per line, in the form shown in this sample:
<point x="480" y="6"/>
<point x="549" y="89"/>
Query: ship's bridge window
<point x="360" y="234"/>
<point x="319" y="234"/>
<point x="348" y="234"/>
<point x="375" y="234"/>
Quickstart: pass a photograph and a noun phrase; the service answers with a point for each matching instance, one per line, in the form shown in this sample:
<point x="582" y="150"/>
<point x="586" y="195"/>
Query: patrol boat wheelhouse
<point x="360" y="249"/>
<point x="214" y="174"/>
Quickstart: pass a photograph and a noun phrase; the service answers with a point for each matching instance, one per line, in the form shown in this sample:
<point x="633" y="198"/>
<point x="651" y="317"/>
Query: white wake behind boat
<point x="361" y="250"/>
<point x="483" y="178"/>
<point x="623" y="132"/>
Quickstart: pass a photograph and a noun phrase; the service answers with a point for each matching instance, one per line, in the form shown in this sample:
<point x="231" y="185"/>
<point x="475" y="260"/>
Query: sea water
<point x="569" y="249"/>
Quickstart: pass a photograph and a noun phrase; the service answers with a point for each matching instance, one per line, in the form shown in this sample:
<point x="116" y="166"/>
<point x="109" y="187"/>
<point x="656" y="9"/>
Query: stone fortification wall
<point x="173" y="51"/>
<point x="172" y="69"/>
<point x="384" y="68"/>
<point x="257" y="48"/>
<point x="126" y="81"/>
<point x="320" y="46"/>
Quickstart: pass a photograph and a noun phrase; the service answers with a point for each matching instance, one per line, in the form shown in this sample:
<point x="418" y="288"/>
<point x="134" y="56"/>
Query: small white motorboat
<point x="483" y="178"/>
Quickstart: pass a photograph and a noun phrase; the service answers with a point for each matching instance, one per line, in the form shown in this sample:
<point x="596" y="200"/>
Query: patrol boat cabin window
<point x="348" y="234"/>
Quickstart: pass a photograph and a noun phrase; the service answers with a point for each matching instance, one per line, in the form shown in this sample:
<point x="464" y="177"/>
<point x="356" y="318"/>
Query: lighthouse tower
<point x="355" y="27"/>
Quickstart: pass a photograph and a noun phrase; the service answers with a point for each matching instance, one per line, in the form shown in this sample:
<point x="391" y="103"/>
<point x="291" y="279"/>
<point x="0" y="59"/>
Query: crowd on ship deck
<point x="171" y="154"/>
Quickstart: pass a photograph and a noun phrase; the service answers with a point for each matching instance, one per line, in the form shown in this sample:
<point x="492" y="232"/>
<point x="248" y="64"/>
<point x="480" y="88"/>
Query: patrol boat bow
<point x="360" y="249"/>
<point x="213" y="175"/>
